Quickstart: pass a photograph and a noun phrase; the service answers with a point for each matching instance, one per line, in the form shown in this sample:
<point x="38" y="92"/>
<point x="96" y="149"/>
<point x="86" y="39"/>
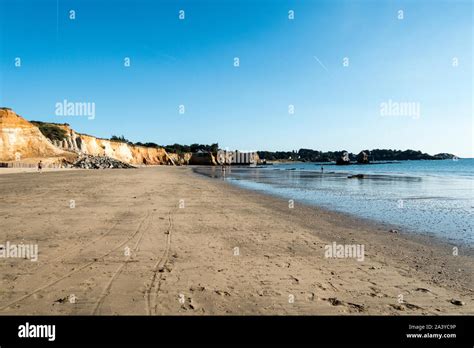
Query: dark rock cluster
<point x="99" y="162"/>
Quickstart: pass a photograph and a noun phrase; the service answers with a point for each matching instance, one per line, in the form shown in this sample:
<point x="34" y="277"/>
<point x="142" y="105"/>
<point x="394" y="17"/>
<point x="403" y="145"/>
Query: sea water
<point x="432" y="197"/>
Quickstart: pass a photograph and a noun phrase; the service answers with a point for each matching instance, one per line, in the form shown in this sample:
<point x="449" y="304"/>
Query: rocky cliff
<point x="133" y="154"/>
<point x="180" y="158"/>
<point x="19" y="140"/>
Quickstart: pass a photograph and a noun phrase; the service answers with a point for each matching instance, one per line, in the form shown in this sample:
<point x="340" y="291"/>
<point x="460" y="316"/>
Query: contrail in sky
<point x="324" y="67"/>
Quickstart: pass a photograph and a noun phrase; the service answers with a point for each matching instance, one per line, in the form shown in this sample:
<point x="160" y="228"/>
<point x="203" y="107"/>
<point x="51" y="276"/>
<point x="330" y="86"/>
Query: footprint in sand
<point x="353" y="307"/>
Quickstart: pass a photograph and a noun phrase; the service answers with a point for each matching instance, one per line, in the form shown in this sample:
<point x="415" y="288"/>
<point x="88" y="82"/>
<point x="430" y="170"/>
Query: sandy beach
<point x="164" y="240"/>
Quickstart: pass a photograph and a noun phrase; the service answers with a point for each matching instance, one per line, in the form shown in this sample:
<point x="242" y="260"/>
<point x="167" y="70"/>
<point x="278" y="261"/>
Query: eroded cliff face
<point x="86" y="144"/>
<point x="19" y="140"/>
<point x="181" y="158"/>
<point x="22" y="141"/>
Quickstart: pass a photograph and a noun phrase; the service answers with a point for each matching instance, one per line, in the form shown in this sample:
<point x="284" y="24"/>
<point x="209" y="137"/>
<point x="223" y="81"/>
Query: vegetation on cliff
<point x="120" y="139"/>
<point x="175" y="148"/>
<point x="50" y="130"/>
<point x="193" y="148"/>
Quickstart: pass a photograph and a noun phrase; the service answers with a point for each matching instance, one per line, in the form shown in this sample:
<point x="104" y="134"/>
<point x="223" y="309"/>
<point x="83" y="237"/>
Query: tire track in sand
<point x="72" y="251"/>
<point x="117" y="272"/>
<point x="154" y="286"/>
<point x="68" y="274"/>
<point x="68" y="252"/>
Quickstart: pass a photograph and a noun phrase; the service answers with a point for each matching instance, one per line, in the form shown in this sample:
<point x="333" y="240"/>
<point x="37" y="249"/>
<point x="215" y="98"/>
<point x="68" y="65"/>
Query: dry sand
<point x="183" y="259"/>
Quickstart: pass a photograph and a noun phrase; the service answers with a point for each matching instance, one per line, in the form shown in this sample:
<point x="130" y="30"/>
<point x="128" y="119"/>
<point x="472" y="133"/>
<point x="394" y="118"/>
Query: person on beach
<point x="40" y="166"/>
<point x="223" y="169"/>
<point x="322" y="169"/>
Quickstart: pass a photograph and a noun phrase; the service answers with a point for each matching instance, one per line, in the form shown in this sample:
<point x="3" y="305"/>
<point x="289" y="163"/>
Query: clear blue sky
<point x="190" y="62"/>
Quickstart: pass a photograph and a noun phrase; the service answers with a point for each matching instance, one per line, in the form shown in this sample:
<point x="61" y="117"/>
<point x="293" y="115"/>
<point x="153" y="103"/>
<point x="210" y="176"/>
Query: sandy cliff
<point x="23" y="142"/>
<point x="180" y="158"/>
<point x="86" y="144"/>
<point x="19" y="140"/>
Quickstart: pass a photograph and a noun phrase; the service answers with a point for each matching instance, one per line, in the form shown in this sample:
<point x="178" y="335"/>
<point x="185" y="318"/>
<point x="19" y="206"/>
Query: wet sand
<point x="163" y="240"/>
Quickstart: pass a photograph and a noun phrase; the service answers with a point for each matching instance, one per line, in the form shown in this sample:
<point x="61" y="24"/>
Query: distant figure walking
<point x="40" y="166"/>
<point x="322" y="169"/>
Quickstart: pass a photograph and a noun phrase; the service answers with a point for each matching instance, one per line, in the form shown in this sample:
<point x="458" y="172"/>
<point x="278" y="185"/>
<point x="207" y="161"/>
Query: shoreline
<point x="381" y="229"/>
<point x="417" y="230"/>
<point x="183" y="259"/>
<point x="414" y="235"/>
